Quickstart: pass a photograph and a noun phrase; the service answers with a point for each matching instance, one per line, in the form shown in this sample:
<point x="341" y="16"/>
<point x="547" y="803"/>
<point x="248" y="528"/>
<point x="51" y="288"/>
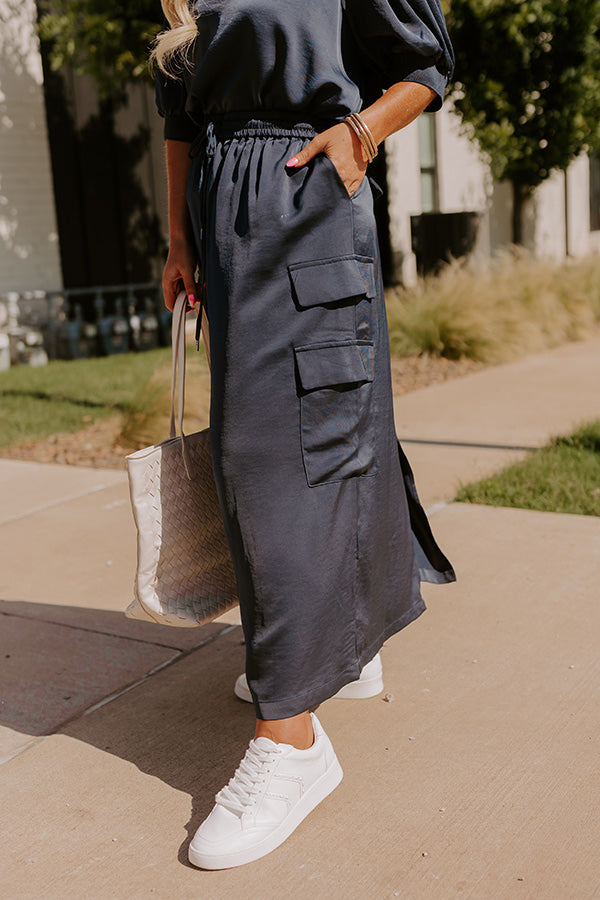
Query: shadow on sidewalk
<point x="124" y="688"/>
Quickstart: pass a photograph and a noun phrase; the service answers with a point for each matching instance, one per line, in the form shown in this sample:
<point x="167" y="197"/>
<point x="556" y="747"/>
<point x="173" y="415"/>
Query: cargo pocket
<point x="340" y="279"/>
<point x="337" y="415"/>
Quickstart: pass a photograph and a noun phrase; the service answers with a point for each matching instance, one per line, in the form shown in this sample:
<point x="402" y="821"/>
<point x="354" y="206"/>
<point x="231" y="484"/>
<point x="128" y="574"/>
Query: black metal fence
<point x="83" y="322"/>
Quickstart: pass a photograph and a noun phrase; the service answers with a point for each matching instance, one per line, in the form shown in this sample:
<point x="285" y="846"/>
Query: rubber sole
<point x="369" y="684"/>
<point x="361" y="689"/>
<point x="241" y="689"/>
<point x="315" y="794"/>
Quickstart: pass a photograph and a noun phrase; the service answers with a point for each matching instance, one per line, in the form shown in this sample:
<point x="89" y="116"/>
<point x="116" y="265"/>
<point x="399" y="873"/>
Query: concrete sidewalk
<point x="477" y="777"/>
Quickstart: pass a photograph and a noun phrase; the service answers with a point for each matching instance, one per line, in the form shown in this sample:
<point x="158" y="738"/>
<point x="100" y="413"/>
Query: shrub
<point x="518" y="305"/>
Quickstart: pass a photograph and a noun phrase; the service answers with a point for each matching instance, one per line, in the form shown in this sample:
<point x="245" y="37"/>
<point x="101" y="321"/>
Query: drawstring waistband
<point x="228" y="126"/>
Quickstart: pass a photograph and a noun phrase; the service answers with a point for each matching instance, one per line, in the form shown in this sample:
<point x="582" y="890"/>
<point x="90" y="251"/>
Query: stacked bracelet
<point x="364" y="135"/>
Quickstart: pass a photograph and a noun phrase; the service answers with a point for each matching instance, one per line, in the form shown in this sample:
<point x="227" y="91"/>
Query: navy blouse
<point x="321" y="59"/>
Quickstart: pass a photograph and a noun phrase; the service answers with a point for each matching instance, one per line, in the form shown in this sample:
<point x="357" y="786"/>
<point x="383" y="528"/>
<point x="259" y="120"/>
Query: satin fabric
<point x="328" y="553"/>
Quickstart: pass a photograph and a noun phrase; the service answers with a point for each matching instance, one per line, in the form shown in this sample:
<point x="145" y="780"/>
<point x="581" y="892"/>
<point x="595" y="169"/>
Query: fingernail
<point x="191" y="299"/>
<point x="292" y="162"/>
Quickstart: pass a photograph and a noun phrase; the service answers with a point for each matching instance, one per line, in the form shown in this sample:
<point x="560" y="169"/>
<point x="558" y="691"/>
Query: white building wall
<point x="561" y="214"/>
<point x="465" y="184"/>
<point x="464" y="179"/>
<point x="29" y="251"/>
<point x="404" y="197"/>
<point x="498" y="216"/>
<point x="549" y="216"/>
<point x="580" y="238"/>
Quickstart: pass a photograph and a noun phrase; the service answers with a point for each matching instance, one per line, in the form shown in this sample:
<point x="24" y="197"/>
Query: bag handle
<point x="178" y="369"/>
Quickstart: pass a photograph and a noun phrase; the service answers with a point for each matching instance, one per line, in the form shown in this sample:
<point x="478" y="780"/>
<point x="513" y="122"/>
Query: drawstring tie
<point x="232" y="126"/>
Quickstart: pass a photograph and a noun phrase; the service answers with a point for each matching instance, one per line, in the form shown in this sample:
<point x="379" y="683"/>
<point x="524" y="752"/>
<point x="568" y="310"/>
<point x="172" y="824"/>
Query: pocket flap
<point x="331" y="364"/>
<point x="322" y="281"/>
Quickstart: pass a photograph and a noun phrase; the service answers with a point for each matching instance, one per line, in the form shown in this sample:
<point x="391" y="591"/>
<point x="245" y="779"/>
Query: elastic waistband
<point x="256" y="125"/>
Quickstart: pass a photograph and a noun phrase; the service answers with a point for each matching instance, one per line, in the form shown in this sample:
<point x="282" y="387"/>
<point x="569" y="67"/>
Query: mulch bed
<point x="98" y="445"/>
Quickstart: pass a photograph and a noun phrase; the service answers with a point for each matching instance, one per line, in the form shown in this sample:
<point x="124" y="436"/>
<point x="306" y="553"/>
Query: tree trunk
<point x="521" y="195"/>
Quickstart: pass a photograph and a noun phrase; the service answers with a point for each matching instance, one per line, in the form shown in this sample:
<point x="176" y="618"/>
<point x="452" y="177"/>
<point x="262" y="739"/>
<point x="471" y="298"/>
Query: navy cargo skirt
<point x="328" y="538"/>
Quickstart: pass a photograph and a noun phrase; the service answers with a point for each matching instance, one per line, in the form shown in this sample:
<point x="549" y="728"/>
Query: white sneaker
<point x="369" y="684"/>
<point x="273" y="790"/>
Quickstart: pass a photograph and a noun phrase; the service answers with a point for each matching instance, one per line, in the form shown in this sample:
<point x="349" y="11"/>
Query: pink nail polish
<point x="292" y="162"/>
<point x="191" y="299"/>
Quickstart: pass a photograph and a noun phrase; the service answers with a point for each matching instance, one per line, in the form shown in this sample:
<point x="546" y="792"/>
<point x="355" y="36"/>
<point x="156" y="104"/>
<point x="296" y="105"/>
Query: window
<point x="594" y="192"/>
<point x="428" y="163"/>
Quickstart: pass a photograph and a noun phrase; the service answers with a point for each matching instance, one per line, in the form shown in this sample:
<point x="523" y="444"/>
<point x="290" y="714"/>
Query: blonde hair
<point x="173" y="44"/>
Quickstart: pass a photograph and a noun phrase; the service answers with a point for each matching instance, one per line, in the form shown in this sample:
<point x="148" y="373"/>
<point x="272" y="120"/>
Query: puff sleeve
<point x="171" y="97"/>
<point x="404" y="40"/>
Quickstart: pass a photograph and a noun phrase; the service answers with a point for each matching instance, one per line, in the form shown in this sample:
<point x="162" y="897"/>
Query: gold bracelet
<point x="367" y="133"/>
<point x="364" y="135"/>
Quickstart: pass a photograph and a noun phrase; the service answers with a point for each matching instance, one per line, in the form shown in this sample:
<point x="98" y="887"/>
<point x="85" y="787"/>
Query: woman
<point x="267" y="191"/>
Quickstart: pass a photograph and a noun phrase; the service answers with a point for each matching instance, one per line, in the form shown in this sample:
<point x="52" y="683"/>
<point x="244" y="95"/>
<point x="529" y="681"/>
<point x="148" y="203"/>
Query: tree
<point x="527" y="85"/>
<point x="106" y="39"/>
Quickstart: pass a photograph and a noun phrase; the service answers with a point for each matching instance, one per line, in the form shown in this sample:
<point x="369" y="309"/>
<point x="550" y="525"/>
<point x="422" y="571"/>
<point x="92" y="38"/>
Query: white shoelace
<point x="240" y="794"/>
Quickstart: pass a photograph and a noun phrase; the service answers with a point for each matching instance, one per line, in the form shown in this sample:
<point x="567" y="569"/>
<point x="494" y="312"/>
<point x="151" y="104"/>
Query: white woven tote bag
<point x="184" y="572"/>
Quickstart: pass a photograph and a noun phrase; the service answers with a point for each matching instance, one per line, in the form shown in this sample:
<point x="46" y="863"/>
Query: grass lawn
<point x="518" y="306"/>
<point x="67" y="395"/>
<point x="562" y="477"/>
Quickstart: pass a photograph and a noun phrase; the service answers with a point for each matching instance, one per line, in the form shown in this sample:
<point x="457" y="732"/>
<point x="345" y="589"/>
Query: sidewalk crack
<point x="182" y="654"/>
<point x="113" y="634"/>
<point x="34" y="510"/>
